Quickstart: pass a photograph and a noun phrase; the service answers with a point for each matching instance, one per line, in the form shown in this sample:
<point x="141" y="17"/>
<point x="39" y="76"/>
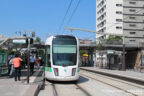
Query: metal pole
<point x="44" y="77"/>
<point x="71" y="32"/>
<point x="123" y="63"/>
<point x="141" y="58"/>
<point x="28" y="61"/>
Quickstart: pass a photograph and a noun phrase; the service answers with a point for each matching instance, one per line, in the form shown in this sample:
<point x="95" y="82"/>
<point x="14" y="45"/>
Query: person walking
<point x="37" y="63"/>
<point x="32" y="62"/>
<point x="12" y="67"/>
<point x="17" y="64"/>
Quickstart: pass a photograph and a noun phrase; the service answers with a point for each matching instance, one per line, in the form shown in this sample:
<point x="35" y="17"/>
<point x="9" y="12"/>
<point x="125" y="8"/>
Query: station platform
<point x="128" y="75"/>
<point x="9" y="87"/>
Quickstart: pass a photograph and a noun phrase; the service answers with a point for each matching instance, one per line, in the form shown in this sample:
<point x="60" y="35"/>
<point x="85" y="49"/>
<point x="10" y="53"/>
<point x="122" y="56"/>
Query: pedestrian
<point x="17" y="64"/>
<point x="37" y="63"/>
<point x="11" y="67"/>
<point x="32" y="62"/>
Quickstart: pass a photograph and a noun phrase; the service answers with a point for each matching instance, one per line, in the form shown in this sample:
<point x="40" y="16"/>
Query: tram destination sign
<point x="19" y="41"/>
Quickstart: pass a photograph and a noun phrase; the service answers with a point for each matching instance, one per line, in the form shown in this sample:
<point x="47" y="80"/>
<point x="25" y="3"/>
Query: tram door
<point x="3" y="63"/>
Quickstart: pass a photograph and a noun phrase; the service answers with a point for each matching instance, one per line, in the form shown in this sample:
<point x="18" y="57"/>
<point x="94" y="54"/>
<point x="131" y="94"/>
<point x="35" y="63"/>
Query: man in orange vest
<point x="17" y="64"/>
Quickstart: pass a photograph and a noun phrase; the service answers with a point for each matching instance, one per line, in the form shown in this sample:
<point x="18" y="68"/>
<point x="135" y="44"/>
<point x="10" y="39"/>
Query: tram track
<point x="122" y="81"/>
<point x="54" y="90"/>
<point x="77" y="87"/>
<point x="126" y="91"/>
<point x="82" y="89"/>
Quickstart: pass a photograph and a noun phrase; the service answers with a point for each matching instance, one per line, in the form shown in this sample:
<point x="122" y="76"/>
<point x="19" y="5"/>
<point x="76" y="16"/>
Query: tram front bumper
<point x="68" y="78"/>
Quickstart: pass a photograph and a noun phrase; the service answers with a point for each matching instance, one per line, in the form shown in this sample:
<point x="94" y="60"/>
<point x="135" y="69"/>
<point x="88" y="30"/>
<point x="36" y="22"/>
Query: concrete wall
<point x="133" y="21"/>
<point x="138" y="3"/>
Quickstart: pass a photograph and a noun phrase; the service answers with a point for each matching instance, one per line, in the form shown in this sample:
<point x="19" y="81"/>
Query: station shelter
<point x="3" y="63"/>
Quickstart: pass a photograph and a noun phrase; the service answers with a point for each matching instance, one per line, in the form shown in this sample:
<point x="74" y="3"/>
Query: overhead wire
<point x="107" y="27"/>
<point x="123" y="19"/>
<point x="72" y="15"/>
<point x="65" y="15"/>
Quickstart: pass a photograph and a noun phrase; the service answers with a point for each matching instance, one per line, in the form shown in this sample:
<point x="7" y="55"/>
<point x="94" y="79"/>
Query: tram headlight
<point x="73" y="71"/>
<point x="56" y="72"/>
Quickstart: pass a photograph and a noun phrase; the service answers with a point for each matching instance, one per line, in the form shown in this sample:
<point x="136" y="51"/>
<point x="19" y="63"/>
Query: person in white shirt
<point x="32" y="62"/>
<point x="12" y="67"/>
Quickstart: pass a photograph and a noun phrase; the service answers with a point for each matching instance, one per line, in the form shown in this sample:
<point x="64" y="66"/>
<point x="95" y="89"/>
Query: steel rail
<point x="115" y="79"/>
<point x="110" y="85"/>
<point x="54" y="90"/>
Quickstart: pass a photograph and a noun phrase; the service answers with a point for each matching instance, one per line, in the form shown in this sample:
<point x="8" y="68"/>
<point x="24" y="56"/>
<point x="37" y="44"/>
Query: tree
<point x="113" y="40"/>
<point x="37" y="39"/>
<point x="100" y="47"/>
<point x="83" y="52"/>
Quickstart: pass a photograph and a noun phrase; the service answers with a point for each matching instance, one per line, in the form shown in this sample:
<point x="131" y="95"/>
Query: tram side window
<point x="48" y="64"/>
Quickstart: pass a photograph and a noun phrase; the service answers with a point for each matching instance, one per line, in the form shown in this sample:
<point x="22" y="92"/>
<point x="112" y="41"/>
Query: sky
<point x="45" y="17"/>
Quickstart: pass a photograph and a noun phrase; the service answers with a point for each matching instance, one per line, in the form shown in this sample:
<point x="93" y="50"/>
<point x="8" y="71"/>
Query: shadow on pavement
<point x="80" y="80"/>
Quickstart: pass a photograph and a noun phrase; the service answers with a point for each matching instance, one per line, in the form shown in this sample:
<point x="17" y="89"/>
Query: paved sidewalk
<point x="8" y="87"/>
<point x="130" y="75"/>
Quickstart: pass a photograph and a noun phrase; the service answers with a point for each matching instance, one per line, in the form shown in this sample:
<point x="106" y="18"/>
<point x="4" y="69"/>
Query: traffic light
<point x="31" y="40"/>
<point x="33" y="34"/>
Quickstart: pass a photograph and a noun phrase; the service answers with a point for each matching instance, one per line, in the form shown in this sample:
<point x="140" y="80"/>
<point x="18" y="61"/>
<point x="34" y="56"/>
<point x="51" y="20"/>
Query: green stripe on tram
<point x="77" y="69"/>
<point x="49" y="69"/>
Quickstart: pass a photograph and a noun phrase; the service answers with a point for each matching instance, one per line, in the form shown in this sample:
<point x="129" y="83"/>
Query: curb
<point x="33" y="90"/>
<point x="118" y="76"/>
<point x="35" y="87"/>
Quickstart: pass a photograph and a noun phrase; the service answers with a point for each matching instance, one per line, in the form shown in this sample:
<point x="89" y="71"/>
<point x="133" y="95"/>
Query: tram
<point x="62" y="58"/>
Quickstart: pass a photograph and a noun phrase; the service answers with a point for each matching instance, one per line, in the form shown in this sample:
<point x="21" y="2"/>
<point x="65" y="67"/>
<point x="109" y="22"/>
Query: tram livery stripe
<point x="49" y="69"/>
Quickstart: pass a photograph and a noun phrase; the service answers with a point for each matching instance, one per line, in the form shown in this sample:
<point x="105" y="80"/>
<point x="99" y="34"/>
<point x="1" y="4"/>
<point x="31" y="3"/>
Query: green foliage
<point x="99" y="47"/>
<point x="83" y="52"/>
<point x="113" y="40"/>
<point x="37" y="39"/>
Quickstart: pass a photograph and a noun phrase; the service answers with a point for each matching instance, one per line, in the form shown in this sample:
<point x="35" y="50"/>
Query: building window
<point x="132" y="25"/>
<point x="118" y="27"/>
<point x="132" y="17"/>
<point x="133" y="3"/>
<point x="118" y="12"/>
<point x="132" y="40"/>
<point x="132" y="10"/>
<point x="118" y="5"/>
<point x="132" y="33"/>
<point x="119" y="20"/>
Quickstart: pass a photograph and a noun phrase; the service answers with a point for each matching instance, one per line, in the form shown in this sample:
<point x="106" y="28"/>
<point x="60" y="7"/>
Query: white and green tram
<point x="62" y="58"/>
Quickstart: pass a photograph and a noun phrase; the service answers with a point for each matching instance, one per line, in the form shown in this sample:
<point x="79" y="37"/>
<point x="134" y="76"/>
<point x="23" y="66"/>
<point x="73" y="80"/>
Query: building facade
<point x="120" y="17"/>
<point x="133" y="21"/>
<point x="109" y="18"/>
<point x="124" y="17"/>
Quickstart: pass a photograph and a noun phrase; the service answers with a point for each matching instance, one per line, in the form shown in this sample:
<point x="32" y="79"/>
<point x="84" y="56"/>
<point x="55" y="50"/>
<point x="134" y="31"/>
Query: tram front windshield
<point x="64" y="51"/>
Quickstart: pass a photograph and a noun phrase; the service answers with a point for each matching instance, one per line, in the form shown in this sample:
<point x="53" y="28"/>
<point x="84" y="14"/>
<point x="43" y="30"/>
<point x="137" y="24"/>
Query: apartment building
<point x="120" y="17"/>
<point x="133" y="21"/>
<point x="109" y="18"/>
